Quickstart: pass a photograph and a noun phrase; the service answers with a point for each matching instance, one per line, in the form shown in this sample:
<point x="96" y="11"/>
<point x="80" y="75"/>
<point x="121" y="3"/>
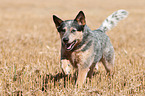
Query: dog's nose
<point x="65" y="40"/>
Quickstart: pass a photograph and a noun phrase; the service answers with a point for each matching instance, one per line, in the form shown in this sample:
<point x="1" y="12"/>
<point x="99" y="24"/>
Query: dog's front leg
<point x="82" y="73"/>
<point x="65" y="66"/>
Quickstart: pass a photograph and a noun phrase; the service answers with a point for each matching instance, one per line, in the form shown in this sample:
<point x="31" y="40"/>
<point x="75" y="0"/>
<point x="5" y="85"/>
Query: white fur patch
<point x="113" y="19"/>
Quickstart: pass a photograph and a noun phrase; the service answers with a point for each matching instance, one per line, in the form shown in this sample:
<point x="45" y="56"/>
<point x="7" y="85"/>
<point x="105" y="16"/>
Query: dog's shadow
<point x="56" y="78"/>
<point x="51" y="79"/>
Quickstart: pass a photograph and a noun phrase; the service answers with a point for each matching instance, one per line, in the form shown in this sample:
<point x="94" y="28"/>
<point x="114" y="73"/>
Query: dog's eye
<point x="63" y="30"/>
<point x="73" y="30"/>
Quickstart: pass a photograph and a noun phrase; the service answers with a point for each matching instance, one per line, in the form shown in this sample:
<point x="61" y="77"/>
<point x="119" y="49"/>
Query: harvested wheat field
<point x="30" y="48"/>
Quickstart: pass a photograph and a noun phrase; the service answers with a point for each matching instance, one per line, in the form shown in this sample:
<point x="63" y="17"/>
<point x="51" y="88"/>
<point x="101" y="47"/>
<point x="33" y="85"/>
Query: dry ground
<point x="30" y="47"/>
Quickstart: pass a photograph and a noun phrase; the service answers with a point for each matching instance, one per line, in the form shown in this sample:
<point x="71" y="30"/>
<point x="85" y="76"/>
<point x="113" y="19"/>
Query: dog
<point x="83" y="48"/>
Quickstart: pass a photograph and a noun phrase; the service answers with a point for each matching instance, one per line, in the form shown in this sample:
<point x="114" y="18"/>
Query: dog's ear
<point x="80" y="18"/>
<point x="57" y="21"/>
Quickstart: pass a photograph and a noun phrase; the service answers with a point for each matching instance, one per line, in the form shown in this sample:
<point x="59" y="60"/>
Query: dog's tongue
<point x="70" y="46"/>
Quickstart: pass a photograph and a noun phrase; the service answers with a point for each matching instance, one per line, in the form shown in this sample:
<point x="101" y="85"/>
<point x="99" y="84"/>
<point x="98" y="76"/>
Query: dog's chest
<point x="79" y="58"/>
<point x="75" y="59"/>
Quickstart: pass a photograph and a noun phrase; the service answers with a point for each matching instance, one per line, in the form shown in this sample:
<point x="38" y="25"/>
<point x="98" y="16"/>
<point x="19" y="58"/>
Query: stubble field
<point x="30" y="47"/>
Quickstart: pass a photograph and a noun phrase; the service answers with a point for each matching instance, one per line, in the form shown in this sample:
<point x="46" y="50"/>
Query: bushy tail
<point x="112" y="20"/>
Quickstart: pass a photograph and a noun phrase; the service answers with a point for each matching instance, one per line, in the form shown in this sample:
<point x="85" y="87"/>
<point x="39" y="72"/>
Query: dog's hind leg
<point x="91" y="71"/>
<point x="108" y="62"/>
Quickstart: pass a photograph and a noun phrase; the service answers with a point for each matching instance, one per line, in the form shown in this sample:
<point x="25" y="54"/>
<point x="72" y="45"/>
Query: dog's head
<point x="71" y="31"/>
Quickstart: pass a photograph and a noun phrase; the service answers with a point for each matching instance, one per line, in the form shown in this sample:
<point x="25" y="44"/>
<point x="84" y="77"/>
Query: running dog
<point x="83" y="48"/>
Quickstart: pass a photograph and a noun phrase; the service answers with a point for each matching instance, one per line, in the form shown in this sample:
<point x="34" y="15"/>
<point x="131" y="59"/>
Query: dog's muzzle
<point x="69" y="46"/>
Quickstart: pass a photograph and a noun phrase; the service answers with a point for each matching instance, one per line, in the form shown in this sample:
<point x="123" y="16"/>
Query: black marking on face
<point x="77" y="26"/>
<point x="61" y="28"/>
<point x="70" y="24"/>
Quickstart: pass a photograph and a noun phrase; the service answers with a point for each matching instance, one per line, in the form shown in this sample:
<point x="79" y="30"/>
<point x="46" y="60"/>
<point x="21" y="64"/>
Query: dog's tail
<point x="112" y="20"/>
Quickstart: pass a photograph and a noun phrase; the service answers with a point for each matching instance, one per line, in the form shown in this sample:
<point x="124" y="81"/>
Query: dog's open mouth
<point x="70" y="46"/>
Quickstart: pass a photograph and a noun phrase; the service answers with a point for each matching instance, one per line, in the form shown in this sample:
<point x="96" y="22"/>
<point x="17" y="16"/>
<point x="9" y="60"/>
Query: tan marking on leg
<point x="82" y="73"/>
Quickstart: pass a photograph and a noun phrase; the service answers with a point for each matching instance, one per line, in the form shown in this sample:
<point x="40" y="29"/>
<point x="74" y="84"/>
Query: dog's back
<point x="103" y="48"/>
